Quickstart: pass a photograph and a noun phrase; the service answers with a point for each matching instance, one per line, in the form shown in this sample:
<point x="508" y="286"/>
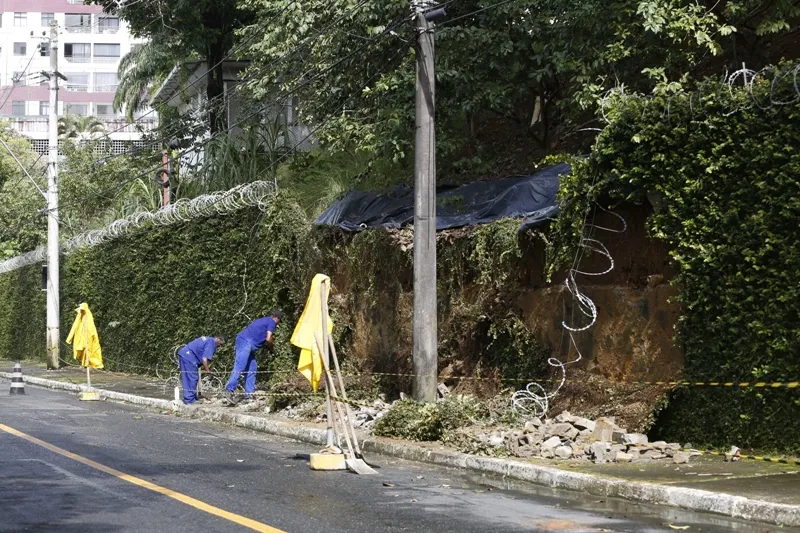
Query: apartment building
<point x="90" y="46"/>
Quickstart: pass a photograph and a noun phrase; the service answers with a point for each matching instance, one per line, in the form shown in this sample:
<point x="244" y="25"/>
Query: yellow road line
<point x="197" y="504"/>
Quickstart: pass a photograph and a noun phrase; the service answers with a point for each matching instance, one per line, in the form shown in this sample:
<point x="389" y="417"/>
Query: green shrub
<point x="410" y="420"/>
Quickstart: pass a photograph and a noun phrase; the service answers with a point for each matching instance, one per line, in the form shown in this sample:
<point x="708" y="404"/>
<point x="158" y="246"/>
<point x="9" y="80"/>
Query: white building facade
<point x="90" y="46"/>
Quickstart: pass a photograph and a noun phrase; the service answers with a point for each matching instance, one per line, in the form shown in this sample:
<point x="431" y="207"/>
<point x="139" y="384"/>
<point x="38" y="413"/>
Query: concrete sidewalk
<point x="762" y="492"/>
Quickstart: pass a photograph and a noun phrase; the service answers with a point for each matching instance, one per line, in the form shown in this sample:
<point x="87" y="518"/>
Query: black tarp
<point x="530" y="197"/>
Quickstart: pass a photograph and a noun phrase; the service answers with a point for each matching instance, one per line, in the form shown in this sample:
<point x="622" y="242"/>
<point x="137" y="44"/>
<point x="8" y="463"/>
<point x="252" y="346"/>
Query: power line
<point x="19" y="77"/>
<point x="288" y="53"/>
<point x="194" y="148"/>
<point x="481" y="10"/>
<point x="172" y="213"/>
<point x="197" y="147"/>
<point x="230" y="53"/>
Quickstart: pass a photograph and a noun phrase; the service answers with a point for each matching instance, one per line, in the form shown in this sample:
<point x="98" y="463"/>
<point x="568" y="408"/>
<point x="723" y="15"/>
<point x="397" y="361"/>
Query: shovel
<point x="353" y="462"/>
<point x="358" y="453"/>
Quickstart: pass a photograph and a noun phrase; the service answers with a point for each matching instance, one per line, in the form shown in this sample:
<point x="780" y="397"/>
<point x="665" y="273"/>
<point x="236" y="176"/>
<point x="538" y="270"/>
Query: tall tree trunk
<point x="215" y="87"/>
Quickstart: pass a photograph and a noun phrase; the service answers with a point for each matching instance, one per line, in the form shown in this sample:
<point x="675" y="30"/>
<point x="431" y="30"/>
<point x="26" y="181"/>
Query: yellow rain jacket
<point x="310" y="364"/>
<point x="84" y="339"/>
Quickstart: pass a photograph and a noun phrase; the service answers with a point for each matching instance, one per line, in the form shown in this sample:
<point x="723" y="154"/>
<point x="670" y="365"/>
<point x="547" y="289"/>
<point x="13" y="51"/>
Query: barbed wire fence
<point x="783" y="90"/>
<point x="254" y="194"/>
<point x="534" y="399"/>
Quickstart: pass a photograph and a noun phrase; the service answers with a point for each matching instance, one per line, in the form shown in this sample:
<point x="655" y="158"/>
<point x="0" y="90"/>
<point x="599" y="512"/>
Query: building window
<point x="78" y="23"/>
<point x="78" y="82"/>
<point x="47" y="18"/>
<point x="44" y="50"/>
<point x="78" y="52"/>
<point x="20" y="49"/>
<point x="44" y="108"/>
<point x="77" y="109"/>
<point x="18" y="108"/>
<point x="20" y="19"/>
<point x="106" y="51"/>
<point x="104" y="110"/>
<point x="18" y="79"/>
<point x="108" y="24"/>
<point x="105" y="82"/>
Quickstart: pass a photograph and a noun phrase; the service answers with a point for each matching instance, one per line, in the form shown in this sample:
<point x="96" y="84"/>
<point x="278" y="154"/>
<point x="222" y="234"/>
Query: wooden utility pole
<point x="425" y="358"/>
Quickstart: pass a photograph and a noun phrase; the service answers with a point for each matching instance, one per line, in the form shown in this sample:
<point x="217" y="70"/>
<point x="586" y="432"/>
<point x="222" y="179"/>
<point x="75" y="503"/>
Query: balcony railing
<point x="106" y="59"/>
<point x="38" y="124"/>
<point x="107" y="29"/>
<point x="105" y="88"/>
<point x="75" y="2"/>
<point x="78" y="29"/>
<point x="78" y="59"/>
<point x="76" y="88"/>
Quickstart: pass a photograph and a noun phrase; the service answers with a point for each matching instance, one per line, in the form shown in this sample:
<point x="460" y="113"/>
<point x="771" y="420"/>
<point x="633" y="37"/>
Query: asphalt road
<point x="263" y="479"/>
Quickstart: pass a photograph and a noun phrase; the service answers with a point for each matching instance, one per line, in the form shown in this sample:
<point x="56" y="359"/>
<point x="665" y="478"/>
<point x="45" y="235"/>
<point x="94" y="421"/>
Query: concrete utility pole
<point x="425" y="358"/>
<point x="53" y="315"/>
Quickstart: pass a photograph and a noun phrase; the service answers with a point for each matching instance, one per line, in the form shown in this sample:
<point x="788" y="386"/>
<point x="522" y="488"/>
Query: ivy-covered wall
<point x="722" y="169"/>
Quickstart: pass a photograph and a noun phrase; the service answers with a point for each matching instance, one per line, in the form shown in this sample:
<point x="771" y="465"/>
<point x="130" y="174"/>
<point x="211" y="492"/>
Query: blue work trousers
<point x="189" y="377"/>
<point x="245" y="362"/>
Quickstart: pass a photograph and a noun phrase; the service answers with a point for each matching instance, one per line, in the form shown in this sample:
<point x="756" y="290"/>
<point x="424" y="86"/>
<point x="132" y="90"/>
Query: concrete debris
<point x="573" y="437"/>
<point x="565" y="417"/>
<point x="603" y="430"/>
<point x="599" y="450"/>
<point x="733" y="455"/>
<point x="583" y="424"/>
<point x="533" y="423"/>
<point x="495" y="439"/>
<point x="551" y="443"/>
<point x="560" y="430"/>
<point x="623" y="457"/>
<point x="364" y="417"/>
<point x="634" y="438"/>
<point x="565" y="436"/>
<point x="442" y="390"/>
<point x="680" y="458"/>
<point x="563" y="452"/>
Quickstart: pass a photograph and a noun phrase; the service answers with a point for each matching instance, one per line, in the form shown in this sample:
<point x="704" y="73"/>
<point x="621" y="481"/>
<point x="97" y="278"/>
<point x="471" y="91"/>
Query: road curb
<point x="693" y="499"/>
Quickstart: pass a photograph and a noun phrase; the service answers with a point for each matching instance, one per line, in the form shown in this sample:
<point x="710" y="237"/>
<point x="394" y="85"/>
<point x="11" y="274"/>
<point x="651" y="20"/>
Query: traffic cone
<point x="17" y="385"/>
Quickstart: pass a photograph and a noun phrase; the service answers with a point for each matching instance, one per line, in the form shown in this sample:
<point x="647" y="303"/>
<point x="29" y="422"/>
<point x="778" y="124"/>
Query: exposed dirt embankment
<point x="496" y="334"/>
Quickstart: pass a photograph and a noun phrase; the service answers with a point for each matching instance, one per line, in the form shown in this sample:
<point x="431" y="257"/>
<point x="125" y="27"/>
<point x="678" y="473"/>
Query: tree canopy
<point x="530" y="71"/>
<point x="180" y="30"/>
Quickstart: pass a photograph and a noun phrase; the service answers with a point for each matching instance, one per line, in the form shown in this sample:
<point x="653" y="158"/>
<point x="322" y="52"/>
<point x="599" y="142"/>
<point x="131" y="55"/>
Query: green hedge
<point x="162" y="287"/>
<point x="722" y="169"/>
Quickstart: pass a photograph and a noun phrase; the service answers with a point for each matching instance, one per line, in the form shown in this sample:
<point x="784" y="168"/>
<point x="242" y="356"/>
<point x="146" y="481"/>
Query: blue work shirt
<point x="200" y="348"/>
<point x="256" y="332"/>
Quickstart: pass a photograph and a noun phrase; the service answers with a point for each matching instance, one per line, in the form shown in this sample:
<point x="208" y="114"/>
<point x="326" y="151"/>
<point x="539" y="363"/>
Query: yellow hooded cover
<point x="310" y="364"/>
<point x="84" y="339"/>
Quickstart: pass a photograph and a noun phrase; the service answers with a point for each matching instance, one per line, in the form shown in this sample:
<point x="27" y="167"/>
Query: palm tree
<point x="142" y="69"/>
<point x="81" y="128"/>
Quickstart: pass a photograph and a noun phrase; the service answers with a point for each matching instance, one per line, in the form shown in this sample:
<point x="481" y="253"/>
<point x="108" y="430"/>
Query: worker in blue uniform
<point x="248" y="341"/>
<point x="191" y="357"/>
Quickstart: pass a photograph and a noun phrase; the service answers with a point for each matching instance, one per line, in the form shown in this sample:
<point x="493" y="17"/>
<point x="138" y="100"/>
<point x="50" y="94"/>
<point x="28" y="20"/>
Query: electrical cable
<point x="487" y="8"/>
<point x="255" y="193"/>
<point x="204" y="143"/>
<point x="288" y="53"/>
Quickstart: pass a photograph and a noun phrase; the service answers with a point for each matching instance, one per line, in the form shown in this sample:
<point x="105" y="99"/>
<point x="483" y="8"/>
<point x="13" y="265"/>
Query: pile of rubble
<point x="363" y="417"/>
<point x="573" y="437"/>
